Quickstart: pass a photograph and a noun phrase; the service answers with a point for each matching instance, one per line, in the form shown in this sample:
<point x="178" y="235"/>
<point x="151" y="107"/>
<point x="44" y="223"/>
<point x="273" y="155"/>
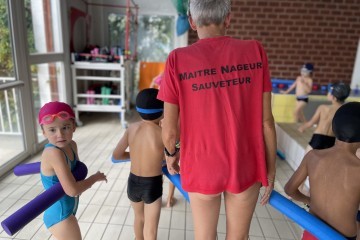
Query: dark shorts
<point x="302" y="98"/>
<point x="320" y="141"/>
<point x="358" y="216"/>
<point x="147" y="189"/>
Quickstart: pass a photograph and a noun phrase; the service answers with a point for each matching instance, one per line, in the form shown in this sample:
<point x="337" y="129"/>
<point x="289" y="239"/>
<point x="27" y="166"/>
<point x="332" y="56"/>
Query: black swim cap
<point x="341" y="91"/>
<point x="147" y="105"/>
<point x="308" y="67"/>
<point x="346" y="122"/>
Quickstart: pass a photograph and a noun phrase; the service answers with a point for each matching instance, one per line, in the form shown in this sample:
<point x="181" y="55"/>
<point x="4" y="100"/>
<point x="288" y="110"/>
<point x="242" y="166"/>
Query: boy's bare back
<point x="146" y="148"/>
<point x="334" y="177"/>
<point x="326" y="114"/>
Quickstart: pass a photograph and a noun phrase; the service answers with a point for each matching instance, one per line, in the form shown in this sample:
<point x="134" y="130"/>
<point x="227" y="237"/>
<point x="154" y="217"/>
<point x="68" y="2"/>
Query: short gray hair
<point x="207" y="12"/>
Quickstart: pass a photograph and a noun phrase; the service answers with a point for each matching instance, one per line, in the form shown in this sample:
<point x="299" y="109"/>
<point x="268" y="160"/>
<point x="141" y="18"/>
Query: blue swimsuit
<point x="66" y="205"/>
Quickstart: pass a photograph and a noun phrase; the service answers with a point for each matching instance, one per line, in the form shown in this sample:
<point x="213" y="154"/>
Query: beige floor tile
<point x="104" y="215"/>
<point x="112" y="199"/>
<point x="99" y="197"/>
<point x="5" y="205"/>
<point x="127" y="233"/>
<point x="95" y="231"/>
<point x="256" y="238"/>
<point x="261" y="211"/>
<point x="84" y="228"/>
<point x="255" y="229"/>
<point x="33" y="192"/>
<point x="165" y="217"/>
<point x="90" y="213"/>
<point x="42" y="234"/>
<point x="119" y="215"/>
<point x="176" y="234"/>
<point x="112" y="232"/>
<point x="268" y="227"/>
<point x="283" y="229"/>
<point x="177" y="220"/>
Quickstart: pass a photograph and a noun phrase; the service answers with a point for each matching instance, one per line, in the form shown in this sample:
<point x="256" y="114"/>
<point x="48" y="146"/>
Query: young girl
<point x="57" y="161"/>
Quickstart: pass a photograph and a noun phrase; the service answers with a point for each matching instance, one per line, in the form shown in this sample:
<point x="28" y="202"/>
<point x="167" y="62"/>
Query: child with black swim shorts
<point x="303" y="87"/>
<point x="323" y="136"/>
<point x="334" y="176"/>
<point x="147" y="154"/>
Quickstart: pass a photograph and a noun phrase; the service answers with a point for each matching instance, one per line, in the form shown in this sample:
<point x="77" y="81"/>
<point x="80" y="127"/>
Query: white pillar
<point x="355" y="80"/>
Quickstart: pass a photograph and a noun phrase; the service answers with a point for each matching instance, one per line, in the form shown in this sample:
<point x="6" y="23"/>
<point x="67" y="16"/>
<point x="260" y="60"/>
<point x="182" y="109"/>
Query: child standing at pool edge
<point x="303" y="87"/>
<point x="57" y="121"/>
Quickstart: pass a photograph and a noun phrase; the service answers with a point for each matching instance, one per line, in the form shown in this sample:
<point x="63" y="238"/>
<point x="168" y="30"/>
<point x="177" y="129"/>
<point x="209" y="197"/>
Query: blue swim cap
<point x="346" y="122"/>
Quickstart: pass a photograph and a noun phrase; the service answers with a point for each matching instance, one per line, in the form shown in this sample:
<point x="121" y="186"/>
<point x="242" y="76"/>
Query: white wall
<point x="355" y="80"/>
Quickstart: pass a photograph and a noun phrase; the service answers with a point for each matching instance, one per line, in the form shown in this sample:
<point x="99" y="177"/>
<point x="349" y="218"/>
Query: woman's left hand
<point x="266" y="196"/>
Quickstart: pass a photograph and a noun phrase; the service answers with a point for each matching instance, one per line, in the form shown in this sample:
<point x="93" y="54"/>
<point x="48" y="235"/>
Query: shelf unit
<point x="87" y="74"/>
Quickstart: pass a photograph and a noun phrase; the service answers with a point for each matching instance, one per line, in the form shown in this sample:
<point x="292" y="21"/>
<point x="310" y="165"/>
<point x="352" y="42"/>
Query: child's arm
<point x="71" y="187"/>
<point x="292" y="87"/>
<point x="315" y="119"/>
<point x="308" y="85"/>
<point x="119" y="152"/>
<point x="299" y="176"/>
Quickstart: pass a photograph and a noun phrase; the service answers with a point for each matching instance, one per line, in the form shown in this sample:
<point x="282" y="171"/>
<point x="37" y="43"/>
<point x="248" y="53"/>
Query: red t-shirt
<point x="308" y="236"/>
<point x="218" y="84"/>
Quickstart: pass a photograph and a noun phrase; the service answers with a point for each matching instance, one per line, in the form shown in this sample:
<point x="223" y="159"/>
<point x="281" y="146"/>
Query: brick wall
<point x="324" y="32"/>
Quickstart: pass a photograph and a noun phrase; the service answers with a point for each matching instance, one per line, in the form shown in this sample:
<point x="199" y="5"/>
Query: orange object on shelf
<point x="149" y="70"/>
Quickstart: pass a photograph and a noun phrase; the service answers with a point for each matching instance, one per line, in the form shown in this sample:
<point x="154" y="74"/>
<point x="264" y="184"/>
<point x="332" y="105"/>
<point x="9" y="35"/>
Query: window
<point x="43" y="27"/>
<point x="155" y="36"/>
<point x="7" y="71"/>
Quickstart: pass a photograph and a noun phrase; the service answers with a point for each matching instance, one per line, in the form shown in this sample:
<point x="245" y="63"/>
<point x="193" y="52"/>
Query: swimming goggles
<point x="49" y="118"/>
<point x="331" y="89"/>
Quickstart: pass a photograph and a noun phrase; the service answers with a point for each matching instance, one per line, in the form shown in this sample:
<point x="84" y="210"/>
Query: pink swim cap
<point x="54" y="108"/>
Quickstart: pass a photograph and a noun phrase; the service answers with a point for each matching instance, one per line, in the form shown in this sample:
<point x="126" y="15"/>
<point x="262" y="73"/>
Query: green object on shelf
<point x="105" y="91"/>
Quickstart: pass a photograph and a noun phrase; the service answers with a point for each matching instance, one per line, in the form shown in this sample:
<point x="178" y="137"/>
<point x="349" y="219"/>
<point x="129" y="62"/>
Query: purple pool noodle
<point x="175" y="179"/>
<point x="26" y="169"/>
<point x="40" y="203"/>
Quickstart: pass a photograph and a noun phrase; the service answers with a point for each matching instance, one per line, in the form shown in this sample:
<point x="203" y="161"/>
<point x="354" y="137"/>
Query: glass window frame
<point x="22" y="82"/>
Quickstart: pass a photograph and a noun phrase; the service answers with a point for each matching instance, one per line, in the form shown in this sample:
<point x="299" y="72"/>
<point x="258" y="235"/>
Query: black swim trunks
<point x="351" y="238"/>
<point x="320" y="141"/>
<point x="147" y="189"/>
<point x="302" y="98"/>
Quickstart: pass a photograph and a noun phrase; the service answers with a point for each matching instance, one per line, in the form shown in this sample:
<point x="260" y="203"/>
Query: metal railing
<point x="9" y="114"/>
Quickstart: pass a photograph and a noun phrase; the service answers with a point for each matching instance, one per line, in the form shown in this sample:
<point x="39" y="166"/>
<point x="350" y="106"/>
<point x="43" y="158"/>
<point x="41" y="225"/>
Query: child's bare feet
<point x="171" y="202"/>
